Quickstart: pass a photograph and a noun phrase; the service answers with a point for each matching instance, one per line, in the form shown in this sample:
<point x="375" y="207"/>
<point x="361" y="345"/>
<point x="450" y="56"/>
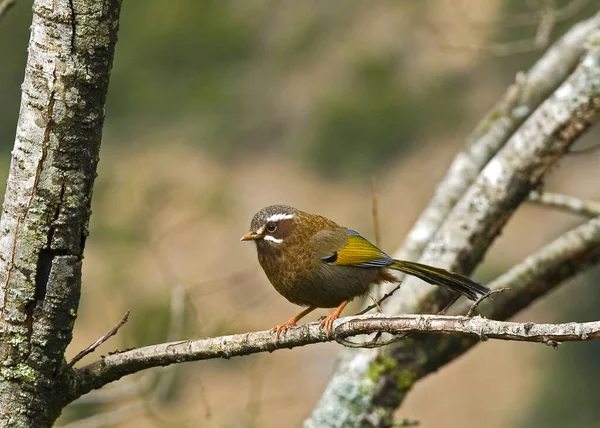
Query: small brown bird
<point x="314" y="262"/>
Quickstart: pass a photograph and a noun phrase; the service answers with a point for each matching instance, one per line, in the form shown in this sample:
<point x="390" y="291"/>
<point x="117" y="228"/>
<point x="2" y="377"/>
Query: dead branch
<point x="115" y="366"/>
<point x="91" y="348"/>
<point x="5" y="5"/>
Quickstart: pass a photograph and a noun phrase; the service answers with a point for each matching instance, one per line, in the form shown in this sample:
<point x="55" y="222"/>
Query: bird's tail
<point x="436" y="276"/>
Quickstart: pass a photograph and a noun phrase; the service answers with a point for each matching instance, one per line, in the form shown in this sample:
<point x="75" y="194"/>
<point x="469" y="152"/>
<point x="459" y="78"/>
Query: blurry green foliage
<point x="150" y="323"/>
<point x="377" y="118"/>
<point x="214" y="73"/>
<point x="203" y="70"/>
<point x="305" y="39"/>
<point x="177" y="57"/>
<point x="81" y="411"/>
<point x="366" y="125"/>
<point x="14" y="34"/>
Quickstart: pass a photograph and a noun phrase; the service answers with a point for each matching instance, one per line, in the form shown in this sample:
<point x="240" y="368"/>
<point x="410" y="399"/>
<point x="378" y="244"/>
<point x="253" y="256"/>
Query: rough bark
<point x="466" y="226"/>
<point x="47" y="202"/>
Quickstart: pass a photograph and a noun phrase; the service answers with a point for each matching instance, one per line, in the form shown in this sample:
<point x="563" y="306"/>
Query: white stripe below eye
<point x="278" y="217"/>
<point x="270" y="238"/>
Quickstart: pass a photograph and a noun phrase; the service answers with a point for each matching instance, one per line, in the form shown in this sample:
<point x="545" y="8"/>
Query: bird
<point x="316" y="263"/>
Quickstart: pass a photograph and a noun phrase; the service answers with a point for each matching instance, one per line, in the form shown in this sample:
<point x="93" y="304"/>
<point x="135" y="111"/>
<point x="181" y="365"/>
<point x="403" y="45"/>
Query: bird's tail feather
<point x="437" y="276"/>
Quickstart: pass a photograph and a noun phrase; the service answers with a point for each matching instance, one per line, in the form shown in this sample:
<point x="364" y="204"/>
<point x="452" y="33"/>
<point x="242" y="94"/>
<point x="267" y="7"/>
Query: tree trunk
<point x="47" y="203"/>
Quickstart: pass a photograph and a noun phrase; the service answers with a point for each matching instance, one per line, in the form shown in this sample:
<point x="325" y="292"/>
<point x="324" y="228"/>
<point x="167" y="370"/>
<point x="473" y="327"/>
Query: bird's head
<point x="272" y="225"/>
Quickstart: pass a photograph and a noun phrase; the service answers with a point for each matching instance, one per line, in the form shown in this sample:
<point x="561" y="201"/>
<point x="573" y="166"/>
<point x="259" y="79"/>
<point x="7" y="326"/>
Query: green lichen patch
<point x="20" y="372"/>
<point x="382" y="365"/>
<point x="405" y="379"/>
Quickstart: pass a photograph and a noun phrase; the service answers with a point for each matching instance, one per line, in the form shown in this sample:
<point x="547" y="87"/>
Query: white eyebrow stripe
<point x="278" y="217"/>
<point x="270" y="238"/>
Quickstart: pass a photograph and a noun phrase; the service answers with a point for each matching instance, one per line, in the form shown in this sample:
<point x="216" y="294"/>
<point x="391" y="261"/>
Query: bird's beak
<point x="250" y="236"/>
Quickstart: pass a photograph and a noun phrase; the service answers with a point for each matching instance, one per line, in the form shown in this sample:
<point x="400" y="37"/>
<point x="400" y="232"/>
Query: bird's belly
<point x="327" y="286"/>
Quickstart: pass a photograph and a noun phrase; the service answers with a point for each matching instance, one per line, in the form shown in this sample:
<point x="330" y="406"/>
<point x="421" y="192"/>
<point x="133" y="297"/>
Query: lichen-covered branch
<point x="46" y="208"/>
<point x="461" y="237"/>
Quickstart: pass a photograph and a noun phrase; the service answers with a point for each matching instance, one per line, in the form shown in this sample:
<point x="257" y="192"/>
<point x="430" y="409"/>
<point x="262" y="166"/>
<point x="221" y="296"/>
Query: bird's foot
<point x="327" y="323"/>
<point x="282" y="328"/>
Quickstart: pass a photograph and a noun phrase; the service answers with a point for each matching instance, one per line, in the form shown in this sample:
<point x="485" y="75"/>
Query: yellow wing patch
<point x="360" y="252"/>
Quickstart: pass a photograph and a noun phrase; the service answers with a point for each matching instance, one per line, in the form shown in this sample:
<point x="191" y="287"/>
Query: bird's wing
<point x="352" y="250"/>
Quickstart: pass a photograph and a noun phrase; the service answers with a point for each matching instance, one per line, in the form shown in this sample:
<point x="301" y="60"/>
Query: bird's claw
<point x="327" y="323"/>
<point x="282" y="328"/>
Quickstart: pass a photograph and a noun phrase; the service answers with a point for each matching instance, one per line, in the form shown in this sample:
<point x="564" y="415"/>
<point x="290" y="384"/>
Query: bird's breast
<point x="286" y="270"/>
<point x="306" y="280"/>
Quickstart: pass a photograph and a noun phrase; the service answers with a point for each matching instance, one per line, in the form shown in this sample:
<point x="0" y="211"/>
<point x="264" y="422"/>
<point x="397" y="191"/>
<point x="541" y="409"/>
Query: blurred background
<point x="217" y="108"/>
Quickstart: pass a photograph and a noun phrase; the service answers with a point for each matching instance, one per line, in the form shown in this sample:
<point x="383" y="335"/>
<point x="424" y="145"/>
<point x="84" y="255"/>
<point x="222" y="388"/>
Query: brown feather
<point x="300" y="259"/>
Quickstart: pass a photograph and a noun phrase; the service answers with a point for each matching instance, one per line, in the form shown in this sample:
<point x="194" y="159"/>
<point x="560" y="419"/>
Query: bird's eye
<point x="271" y="227"/>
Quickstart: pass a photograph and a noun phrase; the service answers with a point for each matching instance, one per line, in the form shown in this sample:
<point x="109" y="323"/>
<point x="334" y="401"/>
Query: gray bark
<point x="47" y="203"/>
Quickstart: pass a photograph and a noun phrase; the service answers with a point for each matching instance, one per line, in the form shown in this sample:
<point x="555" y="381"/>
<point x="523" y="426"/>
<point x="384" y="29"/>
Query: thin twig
<point x="572" y="252"/>
<point x="566" y="203"/>
<point x="5" y="6"/>
<point x="380" y="301"/>
<point x="584" y="151"/>
<point x="101" y="340"/>
<point x="484" y="297"/>
<point x="376" y="303"/>
<point x="376" y="231"/>
<point x="543" y="18"/>
<point x="449" y="304"/>
<point x="375" y="212"/>
<point x="373" y="343"/>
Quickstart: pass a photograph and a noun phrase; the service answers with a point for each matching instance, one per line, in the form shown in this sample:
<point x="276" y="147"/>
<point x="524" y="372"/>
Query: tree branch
<point x="92" y="347"/>
<point x="494" y="130"/>
<point x="5" y="5"/>
<point x="566" y="203"/>
<point x="459" y="237"/>
<point x="115" y="366"/>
